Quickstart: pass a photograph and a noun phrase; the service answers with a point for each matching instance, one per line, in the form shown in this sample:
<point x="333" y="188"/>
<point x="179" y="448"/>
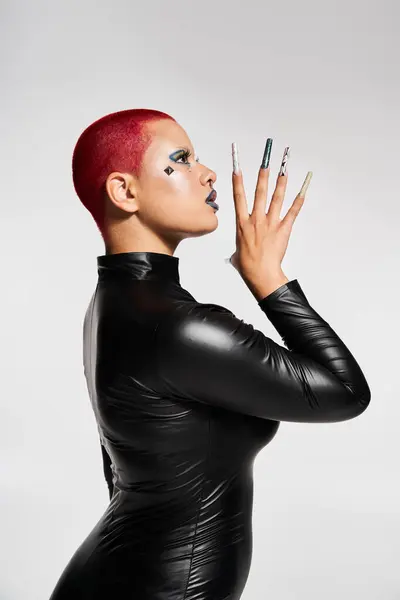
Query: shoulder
<point x="197" y="325"/>
<point x="185" y="312"/>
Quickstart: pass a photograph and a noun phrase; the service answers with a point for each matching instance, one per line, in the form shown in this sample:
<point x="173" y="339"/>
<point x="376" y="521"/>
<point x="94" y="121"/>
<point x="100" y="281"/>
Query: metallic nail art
<point x="235" y="158"/>
<point x="267" y="154"/>
<point x="285" y="158"/>
<point x="306" y="183"/>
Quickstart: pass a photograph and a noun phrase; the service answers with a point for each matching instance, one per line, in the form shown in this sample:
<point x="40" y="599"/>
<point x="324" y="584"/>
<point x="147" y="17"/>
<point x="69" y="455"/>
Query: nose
<point x="208" y="177"/>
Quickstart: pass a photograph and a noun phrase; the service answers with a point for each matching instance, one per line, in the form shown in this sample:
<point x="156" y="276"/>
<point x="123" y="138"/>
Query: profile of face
<point x="168" y="196"/>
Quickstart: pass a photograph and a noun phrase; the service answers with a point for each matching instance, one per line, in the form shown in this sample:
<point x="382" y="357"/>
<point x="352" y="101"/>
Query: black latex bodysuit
<point x="185" y="394"/>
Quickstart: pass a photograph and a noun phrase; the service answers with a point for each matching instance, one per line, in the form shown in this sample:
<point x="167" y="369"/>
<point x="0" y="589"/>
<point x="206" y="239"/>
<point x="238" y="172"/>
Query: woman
<point x="184" y="393"/>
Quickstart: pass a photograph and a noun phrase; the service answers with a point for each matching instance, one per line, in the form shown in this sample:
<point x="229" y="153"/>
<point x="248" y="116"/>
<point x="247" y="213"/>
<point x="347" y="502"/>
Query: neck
<point x="122" y="239"/>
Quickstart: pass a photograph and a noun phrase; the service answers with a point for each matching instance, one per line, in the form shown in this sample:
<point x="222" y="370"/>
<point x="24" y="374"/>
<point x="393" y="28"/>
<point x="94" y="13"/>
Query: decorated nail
<point x="267" y="154"/>
<point x="285" y="158"/>
<point x="306" y="183"/>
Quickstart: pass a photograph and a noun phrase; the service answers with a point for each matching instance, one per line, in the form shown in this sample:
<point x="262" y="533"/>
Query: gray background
<point x="320" y="77"/>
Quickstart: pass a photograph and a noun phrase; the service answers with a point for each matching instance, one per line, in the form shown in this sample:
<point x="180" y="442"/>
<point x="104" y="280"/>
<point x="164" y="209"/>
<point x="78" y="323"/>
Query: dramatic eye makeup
<point x="182" y="153"/>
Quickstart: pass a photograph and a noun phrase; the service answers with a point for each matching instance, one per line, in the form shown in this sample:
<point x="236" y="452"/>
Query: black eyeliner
<point x="183" y="153"/>
<point x="180" y="154"/>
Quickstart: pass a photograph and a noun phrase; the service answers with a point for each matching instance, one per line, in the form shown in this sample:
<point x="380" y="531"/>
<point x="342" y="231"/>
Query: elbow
<point x="347" y="406"/>
<point x="358" y="404"/>
<point x="363" y="400"/>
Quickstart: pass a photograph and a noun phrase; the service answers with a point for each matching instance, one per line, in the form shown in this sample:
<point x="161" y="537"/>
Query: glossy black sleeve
<point x="204" y="353"/>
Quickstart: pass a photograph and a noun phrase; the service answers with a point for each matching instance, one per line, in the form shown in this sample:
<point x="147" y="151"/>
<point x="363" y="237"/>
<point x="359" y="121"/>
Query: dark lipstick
<point x="210" y="199"/>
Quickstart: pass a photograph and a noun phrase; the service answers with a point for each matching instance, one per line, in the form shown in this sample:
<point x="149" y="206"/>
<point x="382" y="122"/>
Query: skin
<point x="154" y="211"/>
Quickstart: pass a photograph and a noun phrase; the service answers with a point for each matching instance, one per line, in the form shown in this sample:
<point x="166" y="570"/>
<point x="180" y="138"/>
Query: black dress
<point x="185" y="395"/>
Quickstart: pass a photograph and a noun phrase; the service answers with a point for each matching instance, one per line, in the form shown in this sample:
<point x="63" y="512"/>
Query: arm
<point x="206" y="354"/>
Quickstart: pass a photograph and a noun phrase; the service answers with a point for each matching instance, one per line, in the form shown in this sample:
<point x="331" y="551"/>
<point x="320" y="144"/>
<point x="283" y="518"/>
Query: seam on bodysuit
<point x="94" y="384"/>
<point x="92" y="378"/>
<point x="89" y="559"/>
<point x="200" y="507"/>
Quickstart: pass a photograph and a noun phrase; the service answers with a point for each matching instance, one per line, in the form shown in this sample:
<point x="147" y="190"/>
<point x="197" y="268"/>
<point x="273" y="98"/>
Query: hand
<point x="262" y="238"/>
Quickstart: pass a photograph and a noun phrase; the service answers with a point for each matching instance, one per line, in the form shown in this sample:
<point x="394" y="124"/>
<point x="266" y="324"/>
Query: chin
<point x="208" y="227"/>
<point x="211" y="223"/>
<point x="215" y="224"/>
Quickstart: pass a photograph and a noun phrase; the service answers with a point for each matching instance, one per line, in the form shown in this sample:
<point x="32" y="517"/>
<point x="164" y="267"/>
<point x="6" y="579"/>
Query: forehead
<point x="168" y="134"/>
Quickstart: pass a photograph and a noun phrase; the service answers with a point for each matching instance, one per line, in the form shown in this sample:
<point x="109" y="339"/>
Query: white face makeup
<point x="174" y="185"/>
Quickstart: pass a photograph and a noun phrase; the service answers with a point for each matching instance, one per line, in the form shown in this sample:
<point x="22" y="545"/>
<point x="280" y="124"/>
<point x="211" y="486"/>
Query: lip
<point x="212" y="196"/>
<point x="213" y="204"/>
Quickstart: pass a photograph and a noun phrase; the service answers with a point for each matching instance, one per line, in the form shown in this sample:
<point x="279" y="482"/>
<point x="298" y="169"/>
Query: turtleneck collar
<point x="139" y="265"/>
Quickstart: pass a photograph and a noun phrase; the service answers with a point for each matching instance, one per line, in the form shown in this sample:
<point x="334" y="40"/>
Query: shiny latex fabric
<point x="185" y="394"/>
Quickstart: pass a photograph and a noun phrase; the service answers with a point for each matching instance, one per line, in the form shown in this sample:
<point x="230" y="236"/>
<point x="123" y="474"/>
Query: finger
<point x="278" y="197"/>
<point x="291" y="215"/>
<point x="260" y="197"/>
<point x="239" y="195"/>
<point x="279" y="193"/>
<point x="297" y="203"/>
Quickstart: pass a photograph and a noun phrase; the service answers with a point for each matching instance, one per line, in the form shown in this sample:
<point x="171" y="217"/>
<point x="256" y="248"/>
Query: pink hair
<point x="116" y="142"/>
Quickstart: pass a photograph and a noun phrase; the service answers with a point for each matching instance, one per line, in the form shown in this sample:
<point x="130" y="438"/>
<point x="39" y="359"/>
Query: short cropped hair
<point x="115" y="142"/>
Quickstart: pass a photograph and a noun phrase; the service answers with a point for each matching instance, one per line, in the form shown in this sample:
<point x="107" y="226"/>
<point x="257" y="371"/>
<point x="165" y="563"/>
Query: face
<point x="172" y="186"/>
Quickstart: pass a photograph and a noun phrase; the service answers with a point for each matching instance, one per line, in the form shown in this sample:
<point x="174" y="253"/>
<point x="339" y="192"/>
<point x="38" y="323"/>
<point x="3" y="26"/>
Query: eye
<point x="184" y="155"/>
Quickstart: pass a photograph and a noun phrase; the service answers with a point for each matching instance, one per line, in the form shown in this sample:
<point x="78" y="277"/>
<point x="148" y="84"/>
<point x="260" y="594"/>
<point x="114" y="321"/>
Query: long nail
<point x="267" y="154"/>
<point x="285" y="158"/>
<point x="306" y="183"/>
<point x="235" y="159"/>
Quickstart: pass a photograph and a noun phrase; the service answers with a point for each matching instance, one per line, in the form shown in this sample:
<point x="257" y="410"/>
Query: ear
<point x="121" y="191"/>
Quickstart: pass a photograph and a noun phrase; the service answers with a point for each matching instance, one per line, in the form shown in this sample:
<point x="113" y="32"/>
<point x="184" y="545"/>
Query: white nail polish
<point x="235" y="159"/>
